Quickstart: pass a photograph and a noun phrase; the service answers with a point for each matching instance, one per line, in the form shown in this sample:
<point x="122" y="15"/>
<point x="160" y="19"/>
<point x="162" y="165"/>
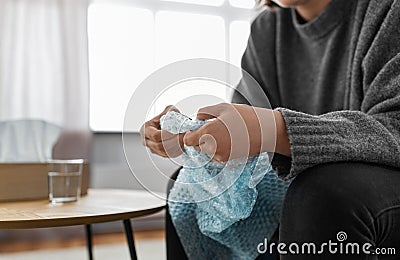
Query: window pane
<point x="239" y="34"/>
<point x="201" y="2"/>
<point x="121" y="55"/>
<point x="183" y="35"/>
<point x="191" y="95"/>
<point x="243" y="3"/>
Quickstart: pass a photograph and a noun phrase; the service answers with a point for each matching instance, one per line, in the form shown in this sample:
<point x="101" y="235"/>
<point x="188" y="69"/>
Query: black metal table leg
<point x="89" y="242"/>
<point x="130" y="238"/>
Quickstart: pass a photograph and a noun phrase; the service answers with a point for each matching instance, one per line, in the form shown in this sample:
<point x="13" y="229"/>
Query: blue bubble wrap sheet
<point x="222" y="210"/>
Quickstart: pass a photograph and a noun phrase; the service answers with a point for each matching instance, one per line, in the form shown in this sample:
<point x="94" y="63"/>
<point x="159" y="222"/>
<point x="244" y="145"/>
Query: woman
<point x="331" y="70"/>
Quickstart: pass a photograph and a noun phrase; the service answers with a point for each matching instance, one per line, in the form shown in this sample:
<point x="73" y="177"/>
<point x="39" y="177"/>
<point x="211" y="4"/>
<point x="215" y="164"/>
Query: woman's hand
<point x="161" y="142"/>
<point x="239" y="131"/>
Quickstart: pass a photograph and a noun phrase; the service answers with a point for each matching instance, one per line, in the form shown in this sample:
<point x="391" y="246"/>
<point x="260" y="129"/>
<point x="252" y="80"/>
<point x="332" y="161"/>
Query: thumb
<point x="166" y="110"/>
<point x="192" y="138"/>
<point x="210" y="111"/>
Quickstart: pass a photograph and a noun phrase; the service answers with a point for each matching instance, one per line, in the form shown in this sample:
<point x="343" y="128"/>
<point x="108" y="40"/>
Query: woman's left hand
<point x="239" y="131"/>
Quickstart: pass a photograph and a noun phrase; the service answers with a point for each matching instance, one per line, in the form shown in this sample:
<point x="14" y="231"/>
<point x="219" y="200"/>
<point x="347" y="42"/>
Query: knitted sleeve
<point x="370" y="131"/>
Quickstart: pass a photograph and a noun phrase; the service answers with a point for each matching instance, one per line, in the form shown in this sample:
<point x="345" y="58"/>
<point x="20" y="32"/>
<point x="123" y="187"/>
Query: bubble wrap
<point x="222" y="210"/>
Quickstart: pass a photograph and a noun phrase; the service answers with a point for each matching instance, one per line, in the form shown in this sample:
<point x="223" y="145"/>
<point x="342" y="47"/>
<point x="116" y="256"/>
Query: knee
<point x="329" y="198"/>
<point x="323" y="192"/>
<point x="323" y="182"/>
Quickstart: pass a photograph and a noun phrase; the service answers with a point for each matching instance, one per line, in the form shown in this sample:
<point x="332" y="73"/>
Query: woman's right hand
<point x="161" y="142"/>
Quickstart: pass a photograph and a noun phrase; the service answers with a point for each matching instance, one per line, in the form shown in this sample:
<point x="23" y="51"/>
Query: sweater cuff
<point x="309" y="138"/>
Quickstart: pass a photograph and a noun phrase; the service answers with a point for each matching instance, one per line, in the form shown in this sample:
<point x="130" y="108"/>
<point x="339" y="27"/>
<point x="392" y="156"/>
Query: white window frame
<point x="226" y="11"/>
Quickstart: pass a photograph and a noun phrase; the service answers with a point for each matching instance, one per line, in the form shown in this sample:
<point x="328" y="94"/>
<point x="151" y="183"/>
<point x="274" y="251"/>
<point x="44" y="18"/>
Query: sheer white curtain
<point x="44" y="61"/>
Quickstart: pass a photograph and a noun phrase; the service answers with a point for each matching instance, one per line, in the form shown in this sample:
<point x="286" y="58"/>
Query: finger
<point x="165" y="136"/>
<point x="181" y="136"/>
<point x="197" y="148"/>
<point x="157" y="135"/>
<point x="150" y="128"/>
<point x="218" y="158"/>
<point x="170" y="108"/>
<point x="158" y="153"/>
<point x="166" y="110"/>
<point x="152" y="133"/>
<point x="208" y="148"/>
<point x="169" y="148"/>
<point x="155" y="121"/>
<point x="174" y="147"/>
<point x="208" y="144"/>
<point x="211" y="111"/>
<point x="192" y="138"/>
<point x="156" y="148"/>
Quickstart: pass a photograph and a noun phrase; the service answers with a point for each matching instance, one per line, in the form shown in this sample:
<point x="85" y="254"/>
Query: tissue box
<point x="28" y="181"/>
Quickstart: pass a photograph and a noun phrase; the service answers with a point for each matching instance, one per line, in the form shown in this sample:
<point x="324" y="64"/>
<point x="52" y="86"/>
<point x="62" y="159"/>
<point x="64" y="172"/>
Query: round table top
<point x="100" y="205"/>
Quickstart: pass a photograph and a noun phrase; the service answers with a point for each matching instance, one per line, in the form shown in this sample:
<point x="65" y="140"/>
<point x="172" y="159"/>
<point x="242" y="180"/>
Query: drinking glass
<point x="64" y="180"/>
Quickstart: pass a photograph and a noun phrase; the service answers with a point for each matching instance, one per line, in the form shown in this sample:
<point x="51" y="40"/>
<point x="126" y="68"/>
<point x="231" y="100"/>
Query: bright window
<point x="201" y="2"/>
<point x="129" y="39"/>
<point x="199" y="36"/>
<point x="242" y="3"/>
<point x="119" y="39"/>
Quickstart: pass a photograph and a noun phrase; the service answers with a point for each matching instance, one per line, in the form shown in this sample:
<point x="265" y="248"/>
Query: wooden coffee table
<point x="99" y="206"/>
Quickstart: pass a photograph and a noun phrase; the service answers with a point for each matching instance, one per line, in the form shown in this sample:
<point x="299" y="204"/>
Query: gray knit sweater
<point x="336" y="80"/>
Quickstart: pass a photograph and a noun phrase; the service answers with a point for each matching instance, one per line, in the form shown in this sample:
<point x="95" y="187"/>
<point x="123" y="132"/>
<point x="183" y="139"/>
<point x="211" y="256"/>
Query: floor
<point x="149" y="245"/>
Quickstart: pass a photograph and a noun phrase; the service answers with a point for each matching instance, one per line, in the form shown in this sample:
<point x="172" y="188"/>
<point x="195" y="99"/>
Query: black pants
<point x="349" y="204"/>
